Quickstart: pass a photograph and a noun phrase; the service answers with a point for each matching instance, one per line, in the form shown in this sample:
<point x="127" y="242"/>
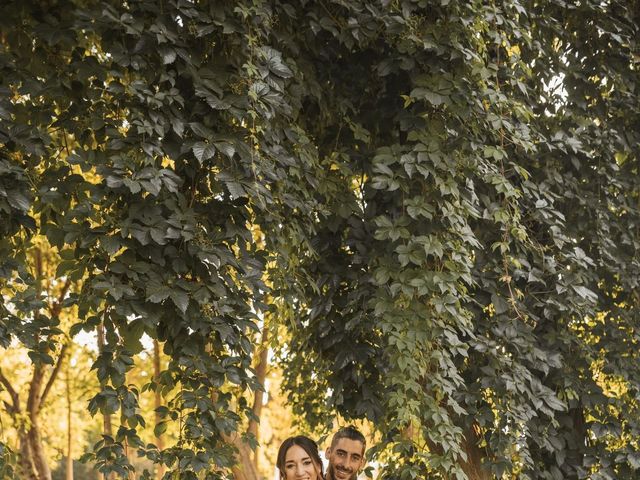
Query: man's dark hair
<point x="352" y="433"/>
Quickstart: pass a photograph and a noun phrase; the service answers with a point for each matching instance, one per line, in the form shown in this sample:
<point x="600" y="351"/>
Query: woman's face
<point x="298" y="465"/>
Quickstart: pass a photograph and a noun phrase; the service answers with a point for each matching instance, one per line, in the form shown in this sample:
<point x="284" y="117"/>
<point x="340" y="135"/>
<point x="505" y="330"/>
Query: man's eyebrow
<point x="344" y="452"/>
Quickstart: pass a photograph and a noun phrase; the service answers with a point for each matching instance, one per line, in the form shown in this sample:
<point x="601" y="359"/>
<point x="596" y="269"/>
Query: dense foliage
<point x="438" y="200"/>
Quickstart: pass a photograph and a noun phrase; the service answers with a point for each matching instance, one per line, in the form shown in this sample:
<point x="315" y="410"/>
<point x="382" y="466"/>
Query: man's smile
<point x="343" y="472"/>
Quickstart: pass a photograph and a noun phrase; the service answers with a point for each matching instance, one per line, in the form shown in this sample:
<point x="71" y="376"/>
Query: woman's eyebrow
<point x="293" y="461"/>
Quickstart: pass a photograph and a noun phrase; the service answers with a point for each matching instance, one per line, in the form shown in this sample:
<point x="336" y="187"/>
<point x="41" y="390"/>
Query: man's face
<point x="346" y="458"/>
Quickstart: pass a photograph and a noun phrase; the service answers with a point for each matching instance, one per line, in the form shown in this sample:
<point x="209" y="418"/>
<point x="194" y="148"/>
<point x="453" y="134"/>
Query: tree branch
<point x="261" y="374"/>
<point x="38" y="259"/>
<point x="57" y="305"/>
<point x="12" y="393"/>
<point x="54" y="374"/>
<point x="11" y="409"/>
<point x="33" y="400"/>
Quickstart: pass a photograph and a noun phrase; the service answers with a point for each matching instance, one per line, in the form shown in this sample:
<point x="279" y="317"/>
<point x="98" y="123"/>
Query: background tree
<point x="37" y="303"/>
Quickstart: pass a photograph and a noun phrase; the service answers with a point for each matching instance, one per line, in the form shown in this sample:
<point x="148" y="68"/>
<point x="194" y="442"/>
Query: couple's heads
<point x="298" y="457"/>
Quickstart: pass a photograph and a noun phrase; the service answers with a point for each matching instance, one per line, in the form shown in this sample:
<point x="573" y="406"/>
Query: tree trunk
<point x="158" y="403"/>
<point x="69" y="469"/>
<point x="33" y="461"/>
<point x="473" y="466"/>
<point x="39" y="388"/>
<point x="127" y="454"/>
<point x="25" y="461"/>
<point x="106" y="419"/>
<point x="258" y="396"/>
<point x="33" y="435"/>
<point x="37" y="451"/>
<point x="27" y="470"/>
<point x="576" y="443"/>
<point x="106" y="422"/>
<point x="245" y="468"/>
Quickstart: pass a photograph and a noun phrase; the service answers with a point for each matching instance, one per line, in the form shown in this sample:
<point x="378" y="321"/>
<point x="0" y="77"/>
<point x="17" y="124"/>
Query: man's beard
<point x="331" y="473"/>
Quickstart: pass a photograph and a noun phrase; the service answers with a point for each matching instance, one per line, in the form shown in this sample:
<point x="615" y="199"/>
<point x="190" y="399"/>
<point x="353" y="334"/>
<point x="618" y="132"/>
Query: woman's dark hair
<point x="307" y="445"/>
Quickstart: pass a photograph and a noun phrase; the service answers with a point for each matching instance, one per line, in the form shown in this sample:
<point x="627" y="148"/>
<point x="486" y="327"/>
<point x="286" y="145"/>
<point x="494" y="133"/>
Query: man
<point x="346" y="454"/>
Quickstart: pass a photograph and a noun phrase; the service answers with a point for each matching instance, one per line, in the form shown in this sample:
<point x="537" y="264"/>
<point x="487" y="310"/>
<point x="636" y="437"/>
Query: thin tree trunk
<point x="473" y="466"/>
<point x="34" y="436"/>
<point x="258" y="396"/>
<point x="580" y="435"/>
<point x="127" y="454"/>
<point x="34" y="399"/>
<point x="107" y="429"/>
<point x="31" y="442"/>
<point x="69" y="469"/>
<point x="106" y="419"/>
<point x="25" y="462"/>
<point x="245" y="468"/>
<point x="158" y="403"/>
<point x="37" y="450"/>
<point x="25" y="459"/>
<point x="34" y="403"/>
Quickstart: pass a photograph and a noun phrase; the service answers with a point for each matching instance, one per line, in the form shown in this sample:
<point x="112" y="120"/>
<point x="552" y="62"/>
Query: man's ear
<point x="327" y="452"/>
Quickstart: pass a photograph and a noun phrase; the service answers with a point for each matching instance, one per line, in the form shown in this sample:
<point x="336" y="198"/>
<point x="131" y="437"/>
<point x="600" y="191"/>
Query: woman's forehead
<point x="296" y="452"/>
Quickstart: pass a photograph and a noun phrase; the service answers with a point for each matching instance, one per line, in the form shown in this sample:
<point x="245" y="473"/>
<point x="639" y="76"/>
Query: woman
<point x="298" y="459"/>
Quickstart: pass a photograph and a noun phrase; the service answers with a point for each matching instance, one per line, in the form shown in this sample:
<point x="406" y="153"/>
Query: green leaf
<point x="157" y="293"/>
<point x="110" y="244"/>
<point x="226" y="148"/>
<point x="160" y="428"/>
<point x="168" y="55"/>
<point x="275" y="63"/>
<point x="585" y="293"/>
<point x="180" y="299"/>
<point x="235" y="189"/>
<point x="203" y="151"/>
<point x="18" y="200"/>
<point x="499" y="304"/>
